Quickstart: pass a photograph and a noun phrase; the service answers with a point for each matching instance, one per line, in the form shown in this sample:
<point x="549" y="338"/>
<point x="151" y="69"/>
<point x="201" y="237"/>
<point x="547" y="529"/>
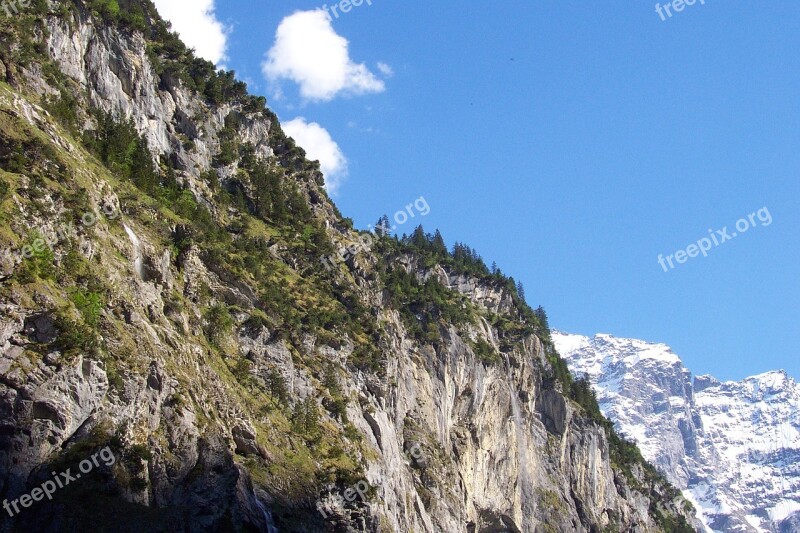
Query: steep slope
<point x="733" y="447"/>
<point x="167" y="304"/>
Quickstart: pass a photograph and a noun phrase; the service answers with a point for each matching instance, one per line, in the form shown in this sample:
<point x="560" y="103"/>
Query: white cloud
<point x="385" y="69"/>
<point x="319" y="145"/>
<point x="196" y="23"/>
<point x="309" y="52"/>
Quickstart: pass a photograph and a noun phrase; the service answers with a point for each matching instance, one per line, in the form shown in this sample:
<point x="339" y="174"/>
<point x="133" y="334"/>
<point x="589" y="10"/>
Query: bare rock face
<point x="790" y="524"/>
<point x="554" y="411"/>
<point x="51" y="398"/>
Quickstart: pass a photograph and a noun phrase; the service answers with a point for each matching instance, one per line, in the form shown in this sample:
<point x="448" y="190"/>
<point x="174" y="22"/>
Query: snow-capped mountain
<point x="733" y="447"/>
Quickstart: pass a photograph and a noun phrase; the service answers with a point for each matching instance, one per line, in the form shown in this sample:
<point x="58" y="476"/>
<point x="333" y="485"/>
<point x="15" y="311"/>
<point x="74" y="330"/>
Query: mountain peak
<point x="771" y="378"/>
<point x="733" y="447"/>
<point x="605" y="350"/>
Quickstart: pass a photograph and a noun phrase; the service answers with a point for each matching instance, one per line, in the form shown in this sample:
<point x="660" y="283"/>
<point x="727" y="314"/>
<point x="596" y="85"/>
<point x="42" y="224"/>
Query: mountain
<point x="193" y="338"/>
<point x="732" y="447"/>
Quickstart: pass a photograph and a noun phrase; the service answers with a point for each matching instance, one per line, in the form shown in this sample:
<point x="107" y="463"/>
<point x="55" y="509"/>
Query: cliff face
<point x="174" y="309"/>
<point x="732" y="447"/>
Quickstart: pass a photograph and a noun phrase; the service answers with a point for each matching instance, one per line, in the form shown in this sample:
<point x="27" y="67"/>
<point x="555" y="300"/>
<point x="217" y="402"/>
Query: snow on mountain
<point x="732" y="447"/>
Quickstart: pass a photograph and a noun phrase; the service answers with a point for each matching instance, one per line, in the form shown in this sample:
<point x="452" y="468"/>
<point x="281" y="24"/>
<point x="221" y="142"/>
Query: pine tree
<point x="521" y="291"/>
<point x="382" y="226"/>
<point x="142" y="170"/>
<point x="305" y="418"/>
<point x="419" y="239"/>
<point x="439" y="247"/>
<point x="541" y="314"/>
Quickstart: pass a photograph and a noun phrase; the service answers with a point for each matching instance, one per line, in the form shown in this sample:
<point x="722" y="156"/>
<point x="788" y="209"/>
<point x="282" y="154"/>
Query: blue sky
<point x="571" y="142"/>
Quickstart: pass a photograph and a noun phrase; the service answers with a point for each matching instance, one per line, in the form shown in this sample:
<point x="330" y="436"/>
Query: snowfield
<point x="732" y="447"/>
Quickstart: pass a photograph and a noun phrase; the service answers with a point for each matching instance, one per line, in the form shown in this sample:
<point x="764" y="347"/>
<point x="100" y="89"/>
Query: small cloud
<point x="198" y="27"/>
<point x="352" y="124"/>
<point x="310" y="53"/>
<point x="386" y="70"/>
<point x="320" y="146"/>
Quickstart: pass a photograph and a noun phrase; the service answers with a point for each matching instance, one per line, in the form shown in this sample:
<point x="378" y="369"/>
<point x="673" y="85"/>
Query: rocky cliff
<point x="734" y="447"/>
<point x="175" y="293"/>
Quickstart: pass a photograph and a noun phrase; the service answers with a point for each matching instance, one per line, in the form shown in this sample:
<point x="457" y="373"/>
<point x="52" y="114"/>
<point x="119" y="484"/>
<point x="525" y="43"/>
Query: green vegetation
<point x="23" y="151"/>
<point x="551" y="502"/>
<point x="337" y="403"/>
<point x="463" y="260"/>
<point x="121" y="149"/>
<point x="81" y="336"/>
<point x="276" y="385"/>
<point x="37" y="259"/>
<point x="219" y="324"/>
<point x="424" y="305"/>
<point x="5" y="190"/>
<point x="486" y="352"/>
<point x="75" y="338"/>
<point x="126" y="13"/>
<point x="668" y="523"/>
<point x="89" y="305"/>
<point x="64" y="109"/>
<point x="305" y="419"/>
<point x="18" y="44"/>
